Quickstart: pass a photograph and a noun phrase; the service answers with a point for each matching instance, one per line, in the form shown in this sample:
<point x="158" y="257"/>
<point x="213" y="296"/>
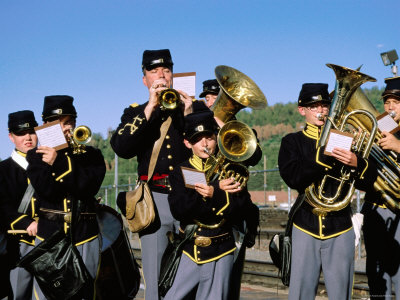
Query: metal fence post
<point x="358" y="210"/>
<point x="116" y="177"/>
<point x="106" y="195"/>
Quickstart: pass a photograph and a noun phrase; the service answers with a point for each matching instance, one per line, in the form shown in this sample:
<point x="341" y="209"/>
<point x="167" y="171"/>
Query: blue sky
<point x="92" y="49"/>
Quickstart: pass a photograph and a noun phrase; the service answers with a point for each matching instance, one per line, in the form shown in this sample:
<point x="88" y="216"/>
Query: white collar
<point x="19" y="159"/>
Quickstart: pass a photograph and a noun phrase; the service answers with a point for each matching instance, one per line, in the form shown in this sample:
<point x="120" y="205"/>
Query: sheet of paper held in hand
<point x="51" y="135"/>
<point x="338" y="139"/>
<point x="193" y="176"/>
<point x="387" y="123"/>
<point x="186" y="82"/>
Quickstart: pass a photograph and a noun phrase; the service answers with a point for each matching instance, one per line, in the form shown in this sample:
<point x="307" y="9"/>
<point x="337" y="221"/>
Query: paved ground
<point x="248" y="293"/>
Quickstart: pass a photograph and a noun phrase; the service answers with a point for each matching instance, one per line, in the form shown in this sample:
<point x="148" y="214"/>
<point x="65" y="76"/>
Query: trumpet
<point x="78" y="139"/>
<point x="169" y="99"/>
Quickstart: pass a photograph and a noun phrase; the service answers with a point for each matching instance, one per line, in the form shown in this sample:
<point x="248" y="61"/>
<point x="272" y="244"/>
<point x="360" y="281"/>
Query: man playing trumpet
<point x="135" y="136"/>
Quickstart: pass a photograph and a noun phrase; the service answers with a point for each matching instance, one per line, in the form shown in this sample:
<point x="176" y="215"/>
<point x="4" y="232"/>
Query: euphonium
<point x="236" y="92"/>
<point x="80" y="136"/>
<point x="237" y="143"/>
<point x="169" y="99"/>
<point x="388" y="181"/>
<point x="347" y="82"/>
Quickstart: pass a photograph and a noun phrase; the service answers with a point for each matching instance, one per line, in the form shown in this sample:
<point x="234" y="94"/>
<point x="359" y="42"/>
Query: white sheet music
<point x="185" y="83"/>
<point x="387" y="123"/>
<point x="51" y="135"/>
<point x="192" y="176"/>
<point x="337" y="140"/>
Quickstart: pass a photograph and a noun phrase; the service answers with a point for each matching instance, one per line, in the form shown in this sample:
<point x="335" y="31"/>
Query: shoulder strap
<point x="157" y="147"/>
<point x="26" y="199"/>
<point x="292" y="212"/>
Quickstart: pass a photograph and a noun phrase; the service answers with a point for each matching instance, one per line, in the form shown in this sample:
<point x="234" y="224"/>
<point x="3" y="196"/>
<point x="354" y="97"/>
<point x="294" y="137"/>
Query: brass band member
<point x="207" y="260"/>
<point x="381" y="230"/>
<point x="210" y="91"/>
<point x="13" y="185"/>
<point x="135" y="136"/>
<point x="319" y="242"/>
<point x="60" y="178"/>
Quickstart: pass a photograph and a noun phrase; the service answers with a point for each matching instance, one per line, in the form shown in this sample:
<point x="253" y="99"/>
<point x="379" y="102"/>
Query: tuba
<point x="80" y="136"/>
<point x="237" y="143"/>
<point x="237" y="91"/>
<point x="347" y="82"/>
<point x="388" y="181"/>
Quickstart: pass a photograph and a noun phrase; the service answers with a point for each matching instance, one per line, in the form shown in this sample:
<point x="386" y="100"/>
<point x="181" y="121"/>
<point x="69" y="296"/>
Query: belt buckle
<point x="202" y="241"/>
<point x="68" y="217"/>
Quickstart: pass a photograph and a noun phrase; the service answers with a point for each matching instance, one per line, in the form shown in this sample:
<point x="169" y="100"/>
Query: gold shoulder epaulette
<point x="134" y="105"/>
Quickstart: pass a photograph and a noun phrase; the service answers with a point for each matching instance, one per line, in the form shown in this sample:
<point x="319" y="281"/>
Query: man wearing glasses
<point x="319" y="242"/>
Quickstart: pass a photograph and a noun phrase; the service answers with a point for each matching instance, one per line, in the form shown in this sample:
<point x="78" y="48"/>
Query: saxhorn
<point x="237" y="143"/>
<point x="237" y="91"/>
<point x="347" y="82"/>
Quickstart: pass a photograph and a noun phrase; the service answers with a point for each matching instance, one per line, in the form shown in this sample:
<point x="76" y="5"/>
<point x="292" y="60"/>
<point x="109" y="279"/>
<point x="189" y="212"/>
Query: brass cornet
<point x="80" y="136"/>
<point x="237" y="143"/>
<point x="169" y="99"/>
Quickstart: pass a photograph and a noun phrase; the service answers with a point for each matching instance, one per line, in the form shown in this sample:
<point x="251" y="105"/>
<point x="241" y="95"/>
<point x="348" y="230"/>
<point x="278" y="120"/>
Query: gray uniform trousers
<point x="154" y="244"/>
<point x="21" y="280"/>
<point x="90" y="253"/>
<point x="201" y="282"/>
<point x="382" y="244"/>
<point x="336" y="258"/>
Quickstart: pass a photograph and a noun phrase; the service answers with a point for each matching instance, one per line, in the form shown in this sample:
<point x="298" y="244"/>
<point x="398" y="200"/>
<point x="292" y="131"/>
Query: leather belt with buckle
<point x="164" y="181"/>
<point x="161" y="181"/>
<point x="205" y="241"/>
<point x="62" y="216"/>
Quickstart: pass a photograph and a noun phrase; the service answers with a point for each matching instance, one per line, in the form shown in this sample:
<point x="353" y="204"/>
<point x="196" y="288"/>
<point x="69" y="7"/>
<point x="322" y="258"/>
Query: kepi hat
<point x="210" y="87"/>
<point x="21" y="121"/>
<point x="392" y="88"/>
<point x="313" y="92"/>
<point x="156" y="58"/>
<point x="199" y="122"/>
<point x="58" y="105"/>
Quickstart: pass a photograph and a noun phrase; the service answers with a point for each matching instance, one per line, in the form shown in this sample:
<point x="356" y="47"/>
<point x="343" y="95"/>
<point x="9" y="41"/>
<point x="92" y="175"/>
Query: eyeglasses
<point x="314" y="108"/>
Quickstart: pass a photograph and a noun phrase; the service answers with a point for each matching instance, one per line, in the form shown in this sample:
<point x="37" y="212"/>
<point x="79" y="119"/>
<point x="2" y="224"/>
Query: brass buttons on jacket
<point x="171" y="168"/>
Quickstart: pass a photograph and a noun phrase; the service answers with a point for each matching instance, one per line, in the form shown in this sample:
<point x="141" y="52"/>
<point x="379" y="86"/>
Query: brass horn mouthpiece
<point x="392" y="113"/>
<point x="169" y="99"/>
<point x="320" y="116"/>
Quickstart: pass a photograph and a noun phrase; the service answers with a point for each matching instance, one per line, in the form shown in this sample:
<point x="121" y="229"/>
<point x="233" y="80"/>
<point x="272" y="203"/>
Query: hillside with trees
<point x="271" y="124"/>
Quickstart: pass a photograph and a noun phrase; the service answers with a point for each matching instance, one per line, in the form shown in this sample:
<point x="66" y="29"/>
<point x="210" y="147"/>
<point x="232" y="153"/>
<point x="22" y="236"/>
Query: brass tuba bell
<point x="237" y="143"/>
<point x="237" y="91"/>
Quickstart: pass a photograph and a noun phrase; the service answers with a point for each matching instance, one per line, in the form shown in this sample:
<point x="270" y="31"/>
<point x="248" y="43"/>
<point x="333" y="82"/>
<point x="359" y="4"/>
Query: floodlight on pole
<point x="389" y="58"/>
